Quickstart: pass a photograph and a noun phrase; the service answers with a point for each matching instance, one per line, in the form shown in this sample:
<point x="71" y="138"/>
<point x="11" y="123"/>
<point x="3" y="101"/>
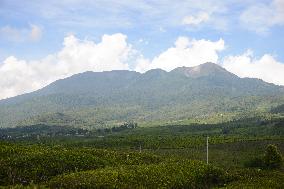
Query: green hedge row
<point x="23" y="165"/>
<point x="182" y="174"/>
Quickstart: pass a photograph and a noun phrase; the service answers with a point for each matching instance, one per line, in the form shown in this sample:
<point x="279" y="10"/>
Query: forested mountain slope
<point x="95" y="98"/>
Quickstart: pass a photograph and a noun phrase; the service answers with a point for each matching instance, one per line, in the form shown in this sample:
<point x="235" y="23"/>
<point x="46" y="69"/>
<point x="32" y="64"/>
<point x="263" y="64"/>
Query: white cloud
<point x="190" y="52"/>
<point x="114" y="53"/>
<point x="261" y="17"/>
<point x="196" y="20"/>
<point x="186" y="52"/>
<point x="21" y="76"/>
<point x="142" y="65"/>
<point x="10" y="33"/>
<point x="33" y="33"/>
<point x="266" y="67"/>
<point x="117" y="14"/>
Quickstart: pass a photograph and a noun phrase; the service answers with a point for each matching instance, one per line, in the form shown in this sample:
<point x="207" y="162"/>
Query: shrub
<point x="272" y="158"/>
<point x="255" y="162"/>
<point x="22" y="165"/>
<point x="182" y="174"/>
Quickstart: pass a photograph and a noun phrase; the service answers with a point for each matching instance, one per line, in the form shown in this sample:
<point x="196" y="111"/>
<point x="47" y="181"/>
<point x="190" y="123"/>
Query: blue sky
<point x="245" y="37"/>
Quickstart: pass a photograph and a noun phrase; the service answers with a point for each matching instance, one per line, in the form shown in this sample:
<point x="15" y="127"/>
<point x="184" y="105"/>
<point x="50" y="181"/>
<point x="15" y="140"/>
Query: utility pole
<point x="207" y="148"/>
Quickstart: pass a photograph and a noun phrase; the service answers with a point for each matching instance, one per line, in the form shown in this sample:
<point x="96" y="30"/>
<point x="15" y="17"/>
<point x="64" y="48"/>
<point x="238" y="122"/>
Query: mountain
<point x="278" y="109"/>
<point x="94" y="99"/>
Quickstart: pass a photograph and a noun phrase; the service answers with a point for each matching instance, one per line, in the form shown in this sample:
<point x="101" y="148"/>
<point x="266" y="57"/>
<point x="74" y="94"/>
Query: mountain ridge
<point x="116" y="96"/>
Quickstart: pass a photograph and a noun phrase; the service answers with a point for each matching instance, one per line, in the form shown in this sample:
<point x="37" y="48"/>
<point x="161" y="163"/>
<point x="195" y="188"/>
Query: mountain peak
<point x="206" y="69"/>
<point x="115" y="96"/>
<point x="210" y="65"/>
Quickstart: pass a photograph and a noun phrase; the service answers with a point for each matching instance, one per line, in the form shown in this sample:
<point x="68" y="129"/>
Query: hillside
<point x="95" y="99"/>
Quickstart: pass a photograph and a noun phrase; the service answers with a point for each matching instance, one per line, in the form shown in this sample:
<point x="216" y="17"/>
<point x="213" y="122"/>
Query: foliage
<point x="272" y="157"/>
<point x="39" y="163"/>
<point x="184" y="174"/>
<point x="255" y="162"/>
<point x="142" y="156"/>
<point x="123" y="127"/>
<point x="99" y="100"/>
<point x="278" y="109"/>
<point x="35" y="131"/>
<point x="256" y="178"/>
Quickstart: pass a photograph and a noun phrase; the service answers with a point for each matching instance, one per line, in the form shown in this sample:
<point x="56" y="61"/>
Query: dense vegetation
<point x="169" y="156"/>
<point x="98" y="100"/>
<point x="182" y="174"/>
<point x="24" y="164"/>
<point x="123" y="129"/>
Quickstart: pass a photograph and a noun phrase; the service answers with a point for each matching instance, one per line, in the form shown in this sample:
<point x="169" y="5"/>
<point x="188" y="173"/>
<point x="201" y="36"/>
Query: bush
<point x="255" y="162"/>
<point x="23" y="165"/>
<point x="272" y="158"/>
<point x="182" y="174"/>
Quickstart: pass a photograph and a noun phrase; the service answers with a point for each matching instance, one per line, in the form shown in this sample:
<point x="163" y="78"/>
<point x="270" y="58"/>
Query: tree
<point x="272" y="157"/>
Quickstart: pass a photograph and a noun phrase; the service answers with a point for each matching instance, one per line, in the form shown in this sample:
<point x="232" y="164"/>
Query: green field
<point x="166" y="156"/>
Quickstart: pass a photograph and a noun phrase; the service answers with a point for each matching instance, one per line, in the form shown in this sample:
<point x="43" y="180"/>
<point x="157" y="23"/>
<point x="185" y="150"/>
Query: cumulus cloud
<point x="76" y="56"/>
<point x="113" y="52"/>
<point x="261" y="17"/>
<point x="195" y="19"/>
<point x="33" y="33"/>
<point x="266" y="67"/>
<point x="191" y="52"/>
<point x="186" y="52"/>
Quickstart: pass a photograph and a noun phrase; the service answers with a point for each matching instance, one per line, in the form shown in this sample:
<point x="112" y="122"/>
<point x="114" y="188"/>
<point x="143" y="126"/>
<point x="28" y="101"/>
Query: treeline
<point x="40" y="130"/>
<point x="129" y="136"/>
<point x="123" y="127"/>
